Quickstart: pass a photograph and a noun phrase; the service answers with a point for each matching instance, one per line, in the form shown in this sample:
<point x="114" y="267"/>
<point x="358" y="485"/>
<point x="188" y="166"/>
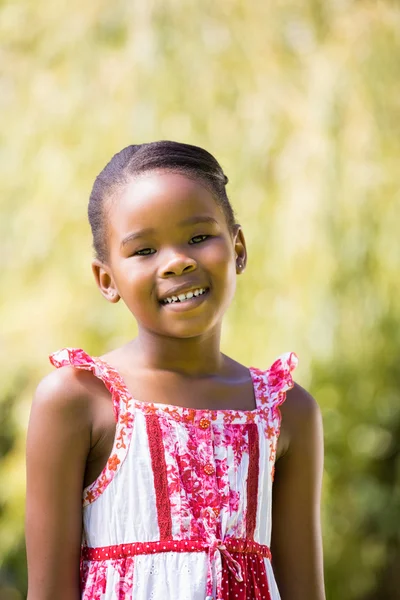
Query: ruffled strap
<point x="122" y="405"/>
<point x="279" y="377"/>
<point x="78" y="358"/>
<point x="271" y="385"/>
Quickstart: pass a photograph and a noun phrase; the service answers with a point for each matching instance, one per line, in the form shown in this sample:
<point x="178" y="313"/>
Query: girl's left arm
<point x="296" y="524"/>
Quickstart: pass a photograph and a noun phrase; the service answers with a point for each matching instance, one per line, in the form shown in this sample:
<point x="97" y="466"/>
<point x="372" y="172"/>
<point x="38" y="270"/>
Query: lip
<point x="182" y="289"/>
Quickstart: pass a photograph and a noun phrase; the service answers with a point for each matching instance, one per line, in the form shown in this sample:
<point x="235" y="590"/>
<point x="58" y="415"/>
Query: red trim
<point x="242" y="546"/>
<point x="159" y="467"/>
<point x="252" y="480"/>
<point x="122" y="404"/>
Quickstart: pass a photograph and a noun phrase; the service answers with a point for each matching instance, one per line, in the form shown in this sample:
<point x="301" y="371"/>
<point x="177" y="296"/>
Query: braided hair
<point x="133" y="160"/>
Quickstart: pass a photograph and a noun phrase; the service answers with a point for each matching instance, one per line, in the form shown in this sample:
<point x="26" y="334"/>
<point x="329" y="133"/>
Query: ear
<point x="240" y="249"/>
<point x="105" y="281"/>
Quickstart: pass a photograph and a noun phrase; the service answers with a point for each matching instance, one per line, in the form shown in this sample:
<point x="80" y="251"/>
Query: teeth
<point x="183" y="297"/>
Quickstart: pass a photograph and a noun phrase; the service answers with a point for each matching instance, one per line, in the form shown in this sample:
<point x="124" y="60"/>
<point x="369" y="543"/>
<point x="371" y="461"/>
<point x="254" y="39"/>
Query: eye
<point x="144" y="252"/>
<point x="197" y="239"/>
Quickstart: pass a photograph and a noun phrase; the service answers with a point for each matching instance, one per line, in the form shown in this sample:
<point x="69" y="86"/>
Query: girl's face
<point x="167" y="236"/>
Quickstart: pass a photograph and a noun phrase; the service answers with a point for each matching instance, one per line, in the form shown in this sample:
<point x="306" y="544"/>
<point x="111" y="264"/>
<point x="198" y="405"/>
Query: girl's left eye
<point x="198" y="238"/>
<point x="145" y="252"/>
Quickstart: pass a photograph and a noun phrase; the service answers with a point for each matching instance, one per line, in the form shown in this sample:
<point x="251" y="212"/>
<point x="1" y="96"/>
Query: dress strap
<point x="271" y="385"/>
<point x="122" y="406"/>
<point x="78" y="358"/>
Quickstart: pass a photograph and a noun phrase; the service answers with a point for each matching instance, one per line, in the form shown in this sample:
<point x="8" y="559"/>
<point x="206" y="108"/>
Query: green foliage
<point x="300" y="103"/>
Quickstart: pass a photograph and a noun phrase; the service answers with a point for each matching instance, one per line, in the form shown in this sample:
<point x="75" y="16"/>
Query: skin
<point x="175" y="359"/>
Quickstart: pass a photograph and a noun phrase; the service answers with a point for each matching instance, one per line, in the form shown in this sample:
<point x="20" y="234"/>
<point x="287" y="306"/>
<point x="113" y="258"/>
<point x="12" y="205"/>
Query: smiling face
<point x="172" y="257"/>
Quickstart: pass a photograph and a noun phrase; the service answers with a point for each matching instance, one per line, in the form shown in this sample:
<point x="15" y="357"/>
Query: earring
<point x="239" y="264"/>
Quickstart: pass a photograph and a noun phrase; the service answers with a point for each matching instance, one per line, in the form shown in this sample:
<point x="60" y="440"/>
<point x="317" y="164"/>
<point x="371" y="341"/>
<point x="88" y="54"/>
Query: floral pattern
<point x="122" y="410"/>
<point x="94" y="581"/>
<point x="271" y="387"/>
<point x="208" y="459"/>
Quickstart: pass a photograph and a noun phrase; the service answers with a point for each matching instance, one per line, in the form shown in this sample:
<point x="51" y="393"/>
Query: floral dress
<point x="182" y="509"/>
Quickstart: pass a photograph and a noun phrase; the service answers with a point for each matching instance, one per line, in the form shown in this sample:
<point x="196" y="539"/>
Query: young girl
<point x="172" y="443"/>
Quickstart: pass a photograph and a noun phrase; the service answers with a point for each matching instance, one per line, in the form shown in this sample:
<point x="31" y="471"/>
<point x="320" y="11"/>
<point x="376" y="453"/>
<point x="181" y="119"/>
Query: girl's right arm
<point x="57" y="447"/>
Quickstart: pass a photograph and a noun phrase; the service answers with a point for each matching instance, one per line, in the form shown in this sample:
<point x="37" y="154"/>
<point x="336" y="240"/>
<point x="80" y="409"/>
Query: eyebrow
<point x="150" y="230"/>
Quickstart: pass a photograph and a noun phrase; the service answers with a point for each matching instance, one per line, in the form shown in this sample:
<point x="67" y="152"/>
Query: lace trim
<point x="159" y="468"/>
<point x="252" y="480"/>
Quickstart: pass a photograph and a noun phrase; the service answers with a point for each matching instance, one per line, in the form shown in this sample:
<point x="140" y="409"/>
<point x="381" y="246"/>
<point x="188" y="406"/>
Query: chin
<point x="191" y="329"/>
<point x="187" y="332"/>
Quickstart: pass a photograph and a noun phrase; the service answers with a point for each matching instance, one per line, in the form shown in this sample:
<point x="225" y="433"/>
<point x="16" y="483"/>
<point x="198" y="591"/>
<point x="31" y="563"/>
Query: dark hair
<point x="133" y="160"/>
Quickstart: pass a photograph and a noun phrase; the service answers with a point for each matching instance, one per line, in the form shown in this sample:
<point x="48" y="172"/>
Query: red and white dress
<point x="182" y="509"/>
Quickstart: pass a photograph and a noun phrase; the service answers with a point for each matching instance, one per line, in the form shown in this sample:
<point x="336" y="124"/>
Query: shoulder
<point x="300" y="403"/>
<point x="66" y="390"/>
<point x="301" y="417"/>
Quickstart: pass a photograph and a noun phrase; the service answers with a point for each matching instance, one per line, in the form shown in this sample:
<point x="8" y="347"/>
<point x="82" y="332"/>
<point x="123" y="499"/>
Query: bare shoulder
<point x="301" y="416"/>
<point x="299" y="403"/>
<point x="66" y="388"/>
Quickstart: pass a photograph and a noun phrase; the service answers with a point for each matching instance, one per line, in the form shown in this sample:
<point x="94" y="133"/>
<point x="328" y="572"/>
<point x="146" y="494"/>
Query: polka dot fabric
<point x="182" y="509"/>
<point x="255" y="583"/>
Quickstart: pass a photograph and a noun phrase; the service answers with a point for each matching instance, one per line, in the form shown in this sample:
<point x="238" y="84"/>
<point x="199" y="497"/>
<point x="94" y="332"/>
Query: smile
<point x="184" y="297"/>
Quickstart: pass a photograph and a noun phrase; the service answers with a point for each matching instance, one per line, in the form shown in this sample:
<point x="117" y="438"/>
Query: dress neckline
<point x="186" y="410"/>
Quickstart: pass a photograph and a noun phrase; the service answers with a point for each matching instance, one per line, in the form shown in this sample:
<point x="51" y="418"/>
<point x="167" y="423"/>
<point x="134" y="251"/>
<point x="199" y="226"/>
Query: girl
<point x="173" y="443"/>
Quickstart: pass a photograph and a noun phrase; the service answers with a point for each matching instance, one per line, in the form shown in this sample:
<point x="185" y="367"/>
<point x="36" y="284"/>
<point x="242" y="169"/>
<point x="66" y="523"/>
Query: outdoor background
<point x="300" y="102"/>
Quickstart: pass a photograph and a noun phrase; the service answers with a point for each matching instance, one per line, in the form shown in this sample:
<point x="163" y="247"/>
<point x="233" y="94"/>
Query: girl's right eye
<point x="144" y="252"/>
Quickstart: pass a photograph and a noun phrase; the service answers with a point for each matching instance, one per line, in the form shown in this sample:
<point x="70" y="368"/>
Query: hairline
<point x="188" y="172"/>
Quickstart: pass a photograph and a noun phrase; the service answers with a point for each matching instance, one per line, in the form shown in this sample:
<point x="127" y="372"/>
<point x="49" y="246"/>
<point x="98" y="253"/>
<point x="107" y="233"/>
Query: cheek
<point x="136" y="280"/>
<point x="223" y="258"/>
<point x="221" y="262"/>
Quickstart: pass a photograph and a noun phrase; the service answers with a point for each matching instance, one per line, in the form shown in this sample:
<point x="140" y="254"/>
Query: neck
<point x="199" y="356"/>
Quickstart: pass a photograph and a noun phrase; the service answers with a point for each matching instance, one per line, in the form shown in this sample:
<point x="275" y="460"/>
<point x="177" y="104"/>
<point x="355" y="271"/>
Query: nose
<point x="178" y="264"/>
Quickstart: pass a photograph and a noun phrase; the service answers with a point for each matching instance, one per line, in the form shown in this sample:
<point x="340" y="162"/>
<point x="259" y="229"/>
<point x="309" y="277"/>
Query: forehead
<point x="160" y="200"/>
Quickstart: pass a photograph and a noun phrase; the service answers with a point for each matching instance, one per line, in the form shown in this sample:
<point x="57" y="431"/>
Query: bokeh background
<point x="300" y="102"/>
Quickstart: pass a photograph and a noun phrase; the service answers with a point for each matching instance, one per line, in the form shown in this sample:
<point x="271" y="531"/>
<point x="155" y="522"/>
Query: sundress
<point x="182" y="509"/>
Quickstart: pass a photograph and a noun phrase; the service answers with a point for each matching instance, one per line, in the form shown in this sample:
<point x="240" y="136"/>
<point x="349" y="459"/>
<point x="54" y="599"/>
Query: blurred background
<point x="300" y="102"/>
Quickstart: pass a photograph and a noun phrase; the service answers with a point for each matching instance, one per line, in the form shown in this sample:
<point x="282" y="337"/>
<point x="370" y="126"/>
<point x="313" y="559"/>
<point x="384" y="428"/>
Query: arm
<point x="57" y="446"/>
<point x="296" y="529"/>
